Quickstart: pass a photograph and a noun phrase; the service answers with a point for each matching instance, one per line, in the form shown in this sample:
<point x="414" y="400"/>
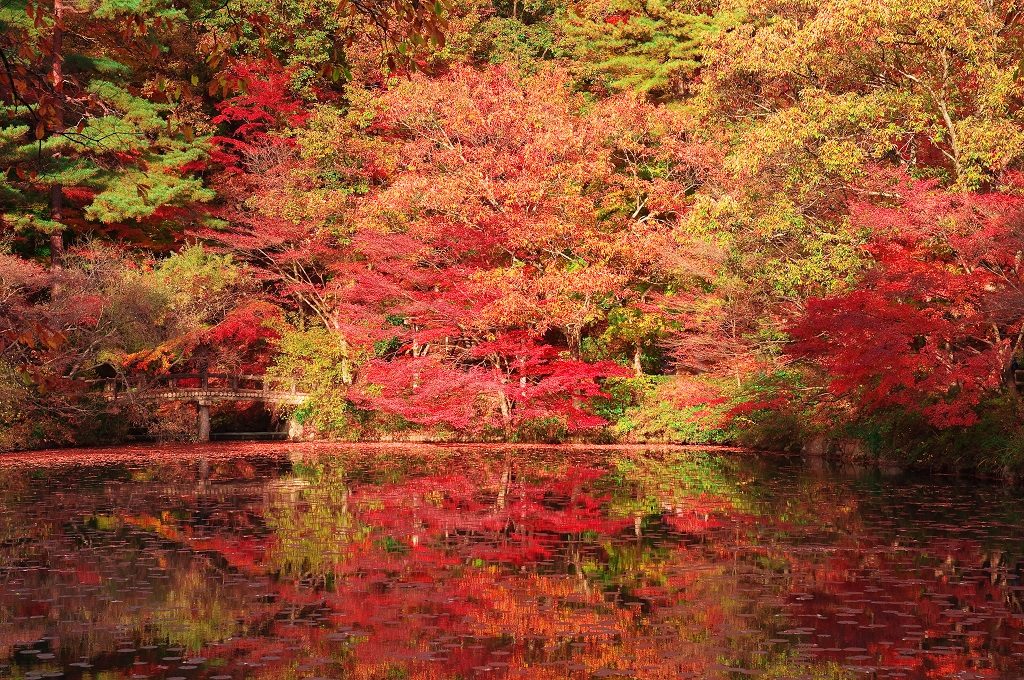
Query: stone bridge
<point x="203" y="389"/>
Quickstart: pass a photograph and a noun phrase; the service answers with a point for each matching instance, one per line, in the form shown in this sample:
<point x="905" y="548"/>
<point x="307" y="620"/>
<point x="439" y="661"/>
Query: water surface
<point x="276" y="561"/>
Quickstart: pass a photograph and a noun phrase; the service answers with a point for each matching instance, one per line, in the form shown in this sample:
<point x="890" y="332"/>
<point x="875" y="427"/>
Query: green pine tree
<point x="651" y="46"/>
<point x="89" y="128"/>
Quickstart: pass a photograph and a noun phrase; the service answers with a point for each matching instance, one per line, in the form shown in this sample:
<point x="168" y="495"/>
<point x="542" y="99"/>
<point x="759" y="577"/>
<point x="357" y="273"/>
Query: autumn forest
<point x="778" y="224"/>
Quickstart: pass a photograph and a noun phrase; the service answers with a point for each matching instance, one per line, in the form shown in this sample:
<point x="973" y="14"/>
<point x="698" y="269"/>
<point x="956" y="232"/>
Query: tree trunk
<point x="57" y="79"/>
<point x="346" y="355"/>
<point x="637" y="357"/>
<point x="506" y="413"/>
<point x="56" y="215"/>
<point x="346" y="362"/>
<point x="1010" y="379"/>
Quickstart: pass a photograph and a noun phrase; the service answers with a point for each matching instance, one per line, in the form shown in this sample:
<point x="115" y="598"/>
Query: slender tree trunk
<point x="57" y="79"/>
<point x="346" y="353"/>
<point x="56" y="46"/>
<point x="1010" y="374"/>
<point x="1010" y="380"/>
<point x="57" y="215"/>
<point x="637" y="356"/>
<point x="346" y="363"/>
<point x="506" y="413"/>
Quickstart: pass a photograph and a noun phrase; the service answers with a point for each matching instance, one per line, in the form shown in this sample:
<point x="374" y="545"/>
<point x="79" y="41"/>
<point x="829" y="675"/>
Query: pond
<point x="297" y="561"/>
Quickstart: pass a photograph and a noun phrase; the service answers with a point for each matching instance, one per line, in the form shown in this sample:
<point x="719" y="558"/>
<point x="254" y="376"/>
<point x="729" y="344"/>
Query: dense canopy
<point x="769" y="222"/>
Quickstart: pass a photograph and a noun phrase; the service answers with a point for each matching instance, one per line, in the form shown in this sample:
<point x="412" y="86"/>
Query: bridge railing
<point x="233" y="382"/>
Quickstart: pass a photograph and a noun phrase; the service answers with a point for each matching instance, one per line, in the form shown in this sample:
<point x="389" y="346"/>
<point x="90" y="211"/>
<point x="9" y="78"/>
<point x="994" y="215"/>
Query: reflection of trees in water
<point x="195" y="611"/>
<point x="314" y="527"/>
<point x="374" y="563"/>
<point x="476" y="532"/>
<point x="102" y="587"/>
<point x="100" y="564"/>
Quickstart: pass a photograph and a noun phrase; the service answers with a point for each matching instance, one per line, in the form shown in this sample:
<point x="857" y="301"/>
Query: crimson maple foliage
<point x="935" y="324"/>
<point x="263" y="106"/>
<point x="499" y="240"/>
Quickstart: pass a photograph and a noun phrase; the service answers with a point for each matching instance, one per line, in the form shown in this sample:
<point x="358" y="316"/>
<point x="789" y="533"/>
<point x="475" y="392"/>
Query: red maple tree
<point x="936" y="322"/>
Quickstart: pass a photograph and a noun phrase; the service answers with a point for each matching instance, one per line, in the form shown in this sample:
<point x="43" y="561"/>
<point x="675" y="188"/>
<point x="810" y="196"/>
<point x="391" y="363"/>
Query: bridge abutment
<point x="203" y="421"/>
<point x="294" y="428"/>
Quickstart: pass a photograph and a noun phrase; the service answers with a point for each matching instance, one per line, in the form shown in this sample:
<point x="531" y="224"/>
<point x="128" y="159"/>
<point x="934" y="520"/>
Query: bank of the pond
<point x="849" y="456"/>
<point x="986" y="450"/>
<point x="101" y="455"/>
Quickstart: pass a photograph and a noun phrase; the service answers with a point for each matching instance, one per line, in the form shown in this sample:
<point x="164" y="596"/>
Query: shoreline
<point x="228" y="450"/>
<point x="235" y="449"/>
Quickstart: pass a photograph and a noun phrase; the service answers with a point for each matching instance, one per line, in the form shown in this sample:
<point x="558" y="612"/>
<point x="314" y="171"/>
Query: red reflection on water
<point x="424" y="562"/>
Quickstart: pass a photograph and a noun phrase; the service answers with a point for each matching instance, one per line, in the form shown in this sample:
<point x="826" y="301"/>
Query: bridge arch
<point x="204" y="389"/>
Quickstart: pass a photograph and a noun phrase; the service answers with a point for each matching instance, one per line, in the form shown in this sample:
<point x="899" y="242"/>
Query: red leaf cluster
<point x="935" y="323"/>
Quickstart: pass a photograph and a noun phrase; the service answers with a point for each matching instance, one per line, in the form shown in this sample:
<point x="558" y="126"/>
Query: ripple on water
<point x="275" y="561"/>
